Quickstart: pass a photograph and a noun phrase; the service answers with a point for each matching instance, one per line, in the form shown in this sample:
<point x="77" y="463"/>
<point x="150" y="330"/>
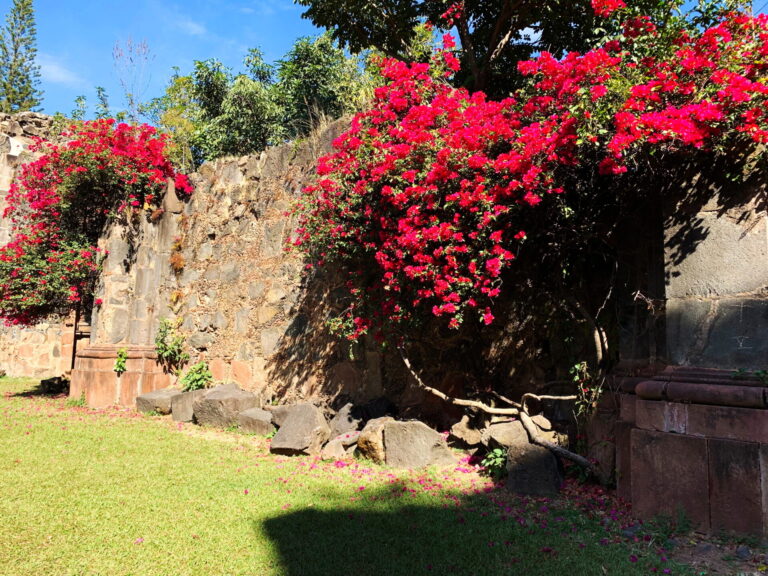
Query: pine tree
<point x="19" y="75"/>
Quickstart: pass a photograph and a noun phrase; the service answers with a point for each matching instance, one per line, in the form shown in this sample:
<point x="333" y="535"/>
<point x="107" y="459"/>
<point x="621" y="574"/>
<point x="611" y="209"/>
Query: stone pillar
<point x="135" y="277"/>
<point x="694" y="438"/>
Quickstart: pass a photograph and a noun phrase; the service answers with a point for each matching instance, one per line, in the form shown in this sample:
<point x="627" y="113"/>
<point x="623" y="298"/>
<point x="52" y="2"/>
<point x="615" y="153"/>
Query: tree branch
<point x="525" y="419"/>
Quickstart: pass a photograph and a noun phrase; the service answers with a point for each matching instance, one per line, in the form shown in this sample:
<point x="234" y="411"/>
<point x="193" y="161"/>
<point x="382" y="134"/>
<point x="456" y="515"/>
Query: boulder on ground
<point x="465" y="432"/>
<point x="279" y="413"/>
<point x="182" y="406"/>
<point x="157" y="401"/>
<point x="221" y="405"/>
<point x="511" y="432"/>
<point x="370" y="443"/>
<point x="334" y="450"/>
<point x="415" y="445"/>
<point x="255" y="421"/>
<point x="348" y="439"/>
<point x="532" y="470"/>
<point x="348" y="419"/>
<point x="304" y="431"/>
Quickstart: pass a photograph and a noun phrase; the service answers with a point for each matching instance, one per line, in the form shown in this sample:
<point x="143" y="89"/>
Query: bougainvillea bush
<point x="60" y="204"/>
<point x="433" y="194"/>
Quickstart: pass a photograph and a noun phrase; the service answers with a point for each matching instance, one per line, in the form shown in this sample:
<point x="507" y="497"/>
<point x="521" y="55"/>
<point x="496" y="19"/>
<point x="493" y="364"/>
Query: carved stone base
<point x="95" y="379"/>
<point x="696" y="441"/>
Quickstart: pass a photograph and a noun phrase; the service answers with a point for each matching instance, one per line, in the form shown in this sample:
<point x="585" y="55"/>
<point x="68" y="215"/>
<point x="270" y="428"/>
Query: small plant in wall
<point x="176" y="259"/>
<point x="120" y="361"/>
<point x="197" y="377"/>
<point x="169" y="346"/>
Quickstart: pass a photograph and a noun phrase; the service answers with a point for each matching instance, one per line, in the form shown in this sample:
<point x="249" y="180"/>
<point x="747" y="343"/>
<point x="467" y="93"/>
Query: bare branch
<point x="533" y="436"/>
<point x="525" y="419"/>
<point x="457" y="401"/>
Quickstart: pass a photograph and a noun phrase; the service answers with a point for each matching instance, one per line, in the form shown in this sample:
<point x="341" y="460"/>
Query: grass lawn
<point x="112" y="493"/>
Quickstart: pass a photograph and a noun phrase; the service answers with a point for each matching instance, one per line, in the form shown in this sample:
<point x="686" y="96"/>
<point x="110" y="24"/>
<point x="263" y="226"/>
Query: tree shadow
<point x="730" y="187"/>
<point x="49" y="388"/>
<point x="397" y="532"/>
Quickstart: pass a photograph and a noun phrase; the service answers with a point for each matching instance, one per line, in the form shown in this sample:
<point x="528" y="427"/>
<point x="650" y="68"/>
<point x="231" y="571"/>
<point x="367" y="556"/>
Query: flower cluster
<point x="60" y="203"/>
<point x="425" y="199"/>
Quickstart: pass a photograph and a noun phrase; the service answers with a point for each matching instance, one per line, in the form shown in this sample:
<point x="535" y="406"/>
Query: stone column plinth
<point x="95" y="379"/>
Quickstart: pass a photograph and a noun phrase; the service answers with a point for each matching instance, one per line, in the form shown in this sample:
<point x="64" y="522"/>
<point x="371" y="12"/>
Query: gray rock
<point x="503" y="434"/>
<point x="304" y="431"/>
<point x="371" y="440"/>
<point x="346" y="420"/>
<point x="334" y="450"/>
<point x="255" y="421"/>
<point x="349" y="438"/>
<point x="415" y="445"/>
<point x="220" y="407"/>
<point x="743" y="552"/>
<point x="532" y="470"/>
<point x="279" y="413"/>
<point x="200" y="340"/>
<point x="511" y="433"/>
<point x="158" y="401"/>
<point x="182" y="406"/>
<point x="466" y="433"/>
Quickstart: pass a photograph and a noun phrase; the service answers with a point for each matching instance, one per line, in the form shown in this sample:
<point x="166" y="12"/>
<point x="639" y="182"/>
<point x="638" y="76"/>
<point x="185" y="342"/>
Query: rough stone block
<point x="371" y="440"/>
<point x="182" y="406"/>
<point x="465" y="432"/>
<point x="255" y="421"/>
<point x="157" y="401"/>
<point x="670" y="473"/>
<point x="304" y="431"/>
<point x="334" y="450"/>
<point x="736" y="500"/>
<point x="347" y="419"/>
<point x="220" y="407"/>
<point x="414" y="445"/>
<point x="532" y="470"/>
<point x="279" y="413"/>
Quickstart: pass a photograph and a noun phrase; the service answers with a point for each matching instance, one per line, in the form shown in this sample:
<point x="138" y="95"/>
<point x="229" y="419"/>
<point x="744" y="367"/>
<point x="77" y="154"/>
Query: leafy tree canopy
<point x="494" y="34"/>
<point x="19" y="75"/>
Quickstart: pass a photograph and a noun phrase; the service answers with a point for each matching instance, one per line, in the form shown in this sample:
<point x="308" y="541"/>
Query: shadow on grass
<point x="390" y="533"/>
<point x="49" y="388"/>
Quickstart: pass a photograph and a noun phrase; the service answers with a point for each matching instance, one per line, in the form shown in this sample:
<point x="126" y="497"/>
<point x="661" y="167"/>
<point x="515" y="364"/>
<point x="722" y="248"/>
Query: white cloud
<point x="269" y="7"/>
<point x="54" y="71"/>
<point x="191" y="27"/>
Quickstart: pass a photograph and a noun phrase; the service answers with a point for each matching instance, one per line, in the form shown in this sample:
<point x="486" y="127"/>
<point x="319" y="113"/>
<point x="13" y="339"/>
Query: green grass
<point x="112" y="493"/>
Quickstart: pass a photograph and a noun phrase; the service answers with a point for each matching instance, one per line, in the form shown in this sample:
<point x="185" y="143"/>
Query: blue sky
<point x="76" y="38"/>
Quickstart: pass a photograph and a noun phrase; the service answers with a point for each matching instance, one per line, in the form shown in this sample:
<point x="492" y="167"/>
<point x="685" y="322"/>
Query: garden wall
<point x="238" y="292"/>
<point x="43" y="350"/>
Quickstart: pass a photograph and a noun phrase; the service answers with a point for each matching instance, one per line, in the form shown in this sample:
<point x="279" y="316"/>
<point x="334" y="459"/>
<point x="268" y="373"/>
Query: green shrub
<point x="197" y="377"/>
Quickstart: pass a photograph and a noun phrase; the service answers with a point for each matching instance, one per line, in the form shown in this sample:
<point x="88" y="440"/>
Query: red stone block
<point x="735" y="487"/>
<point x="218" y="369"/>
<point x="100" y="389"/>
<point x="623" y="461"/>
<point x="670" y="474"/>
<point x="241" y="373"/>
<point x="128" y="388"/>
<point x="730" y="423"/>
<point x="661" y="416"/>
<point x="627" y="407"/>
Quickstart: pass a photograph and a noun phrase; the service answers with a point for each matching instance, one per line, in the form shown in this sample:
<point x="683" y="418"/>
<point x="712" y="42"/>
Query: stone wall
<point x="236" y="288"/>
<point x="43" y="350"/>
